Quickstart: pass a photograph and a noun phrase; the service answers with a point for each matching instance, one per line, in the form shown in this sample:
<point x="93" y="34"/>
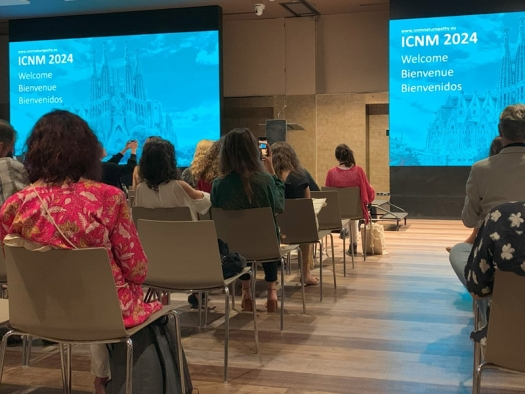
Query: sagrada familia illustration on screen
<point x="118" y="108"/>
<point x="465" y="124"/>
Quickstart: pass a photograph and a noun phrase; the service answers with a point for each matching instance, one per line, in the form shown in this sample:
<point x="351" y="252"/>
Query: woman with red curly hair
<point x="65" y="207"/>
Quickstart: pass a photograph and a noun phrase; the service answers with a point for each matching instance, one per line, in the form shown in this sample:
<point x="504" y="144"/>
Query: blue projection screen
<point x="125" y="87"/>
<point x="450" y="77"/>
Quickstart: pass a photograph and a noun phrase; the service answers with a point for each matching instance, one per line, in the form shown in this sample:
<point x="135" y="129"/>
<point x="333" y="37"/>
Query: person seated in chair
<point x="112" y="171"/>
<point x="499" y="245"/>
<point x="493" y="181"/>
<point x="349" y="174"/>
<point x="13" y="175"/>
<point x="66" y="208"/>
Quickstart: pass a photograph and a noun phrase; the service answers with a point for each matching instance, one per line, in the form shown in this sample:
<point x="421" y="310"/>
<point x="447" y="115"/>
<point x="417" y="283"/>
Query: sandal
<point x="271" y="305"/>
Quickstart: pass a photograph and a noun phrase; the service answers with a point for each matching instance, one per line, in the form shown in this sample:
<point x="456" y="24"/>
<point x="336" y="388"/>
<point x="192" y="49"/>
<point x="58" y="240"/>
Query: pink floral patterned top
<point x="90" y="214"/>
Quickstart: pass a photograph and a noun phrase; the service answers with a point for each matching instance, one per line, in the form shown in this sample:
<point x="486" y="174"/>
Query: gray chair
<point x="91" y="316"/>
<point x="351" y="209"/>
<point x="176" y="214"/>
<point x="298" y="226"/>
<point x="251" y="233"/>
<point x="185" y="256"/>
<point x="131" y="197"/>
<point x="505" y="341"/>
<point x="329" y="218"/>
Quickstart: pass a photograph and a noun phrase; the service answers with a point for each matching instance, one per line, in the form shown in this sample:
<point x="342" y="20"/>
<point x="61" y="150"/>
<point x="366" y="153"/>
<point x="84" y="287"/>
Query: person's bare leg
<point x="246" y="303"/>
<point x="307" y="252"/>
<point x="100" y="367"/>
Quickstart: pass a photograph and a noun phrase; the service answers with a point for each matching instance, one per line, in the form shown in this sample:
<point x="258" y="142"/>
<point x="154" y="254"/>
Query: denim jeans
<point x="458" y="260"/>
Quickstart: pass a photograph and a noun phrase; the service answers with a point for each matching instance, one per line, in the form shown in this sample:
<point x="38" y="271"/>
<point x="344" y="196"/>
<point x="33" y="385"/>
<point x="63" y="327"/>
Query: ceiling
<point x="232" y="9"/>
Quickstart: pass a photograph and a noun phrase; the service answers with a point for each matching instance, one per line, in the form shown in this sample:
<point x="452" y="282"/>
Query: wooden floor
<point x="398" y="323"/>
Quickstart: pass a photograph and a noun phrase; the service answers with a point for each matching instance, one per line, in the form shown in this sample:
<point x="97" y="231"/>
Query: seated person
<point x="248" y="181"/>
<point x="500" y="244"/>
<point x="112" y="171"/>
<point x="495" y="147"/>
<point x="494" y="181"/>
<point x="209" y="169"/>
<point x="65" y="208"/>
<point x="297" y="185"/>
<point x="349" y="174"/>
<point x="160" y="186"/>
<point x="13" y="175"/>
<point x="188" y="175"/>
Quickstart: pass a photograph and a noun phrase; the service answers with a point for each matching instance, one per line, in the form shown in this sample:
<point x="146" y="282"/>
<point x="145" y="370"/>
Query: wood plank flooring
<point x="398" y="323"/>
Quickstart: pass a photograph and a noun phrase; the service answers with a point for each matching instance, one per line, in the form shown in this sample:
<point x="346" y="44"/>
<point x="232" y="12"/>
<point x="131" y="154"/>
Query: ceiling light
<point x="300" y="8"/>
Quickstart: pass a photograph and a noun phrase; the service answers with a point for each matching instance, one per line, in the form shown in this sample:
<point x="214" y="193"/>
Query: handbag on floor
<point x="375" y="238"/>
<point x="155" y="362"/>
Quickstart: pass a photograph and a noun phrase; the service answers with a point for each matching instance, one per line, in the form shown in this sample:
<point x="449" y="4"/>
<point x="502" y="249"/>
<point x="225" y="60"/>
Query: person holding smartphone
<point x="112" y="171"/>
<point x="247" y="180"/>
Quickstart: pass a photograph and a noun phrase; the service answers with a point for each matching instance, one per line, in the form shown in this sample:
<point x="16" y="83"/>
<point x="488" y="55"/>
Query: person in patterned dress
<point x="66" y="207"/>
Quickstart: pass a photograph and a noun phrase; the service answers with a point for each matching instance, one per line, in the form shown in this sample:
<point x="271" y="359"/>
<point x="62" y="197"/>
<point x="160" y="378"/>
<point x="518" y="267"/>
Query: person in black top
<point x="112" y="171"/>
<point x="297" y="183"/>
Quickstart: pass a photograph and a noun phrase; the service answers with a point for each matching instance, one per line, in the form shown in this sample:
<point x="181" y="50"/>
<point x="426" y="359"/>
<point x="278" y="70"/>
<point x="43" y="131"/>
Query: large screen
<point x="450" y="77"/>
<point x="129" y="75"/>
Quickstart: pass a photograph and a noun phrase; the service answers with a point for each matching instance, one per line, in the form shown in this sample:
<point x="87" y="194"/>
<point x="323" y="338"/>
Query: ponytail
<point x="345" y="155"/>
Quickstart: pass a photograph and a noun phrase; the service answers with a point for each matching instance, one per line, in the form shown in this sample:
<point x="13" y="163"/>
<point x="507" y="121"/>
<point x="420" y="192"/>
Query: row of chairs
<point x="182" y="255"/>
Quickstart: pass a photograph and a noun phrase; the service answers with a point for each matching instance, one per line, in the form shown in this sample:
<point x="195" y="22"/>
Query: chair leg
<point x="282" y="295"/>
<point x="180" y="354"/>
<point x="206" y="299"/>
<point x="320" y="273"/>
<point x="226" y="330"/>
<point x="344" y="257"/>
<point x="26" y="349"/>
<point x="129" y="366"/>
<point x="476" y="379"/>
<point x="199" y="296"/>
<point x="68" y="369"/>
<point x="350" y="244"/>
<point x="333" y="259"/>
<point x="3" y="346"/>
<point x="255" y="328"/>
<point x="364" y="236"/>
<point x="301" y="270"/>
<point x="63" y="367"/>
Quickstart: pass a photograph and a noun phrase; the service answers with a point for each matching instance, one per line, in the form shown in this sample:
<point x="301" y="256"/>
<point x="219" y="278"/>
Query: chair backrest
<point x="329" y="217"/>
<point x="63" y="294"/>
<point x="3" y="273"/>
<point x="131" y="197"/>
<point x="181" y="255"/>
<point x="505" y="340"/>
<point x="297" y="223"/>
<point x="249" y="232"/>
<point x="176" y="214"/>
<point x="349" y="202"/>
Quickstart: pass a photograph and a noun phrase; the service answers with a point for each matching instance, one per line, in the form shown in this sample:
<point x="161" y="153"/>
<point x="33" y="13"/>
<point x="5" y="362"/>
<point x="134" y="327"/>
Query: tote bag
<point x="375" y="238"/>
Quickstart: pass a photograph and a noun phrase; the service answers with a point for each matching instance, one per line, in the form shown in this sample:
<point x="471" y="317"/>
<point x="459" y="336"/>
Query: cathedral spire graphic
<point x="118" y="109"/>
<point x="520" y="62"/>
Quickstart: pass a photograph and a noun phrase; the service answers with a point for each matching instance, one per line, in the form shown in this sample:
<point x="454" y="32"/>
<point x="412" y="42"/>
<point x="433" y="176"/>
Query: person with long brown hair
<point x="65" y="207"/>
<point x="297" y="185"/>
<point x="349" y="174"/>
<point x="247" y="181"/>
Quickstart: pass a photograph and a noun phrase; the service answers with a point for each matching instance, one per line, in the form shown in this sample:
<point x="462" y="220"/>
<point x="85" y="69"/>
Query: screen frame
<point x="171" y="20"/>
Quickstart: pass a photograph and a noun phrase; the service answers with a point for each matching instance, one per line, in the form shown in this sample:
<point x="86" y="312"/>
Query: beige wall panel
<point x="353" y="53"/>
<point x="301" y="109"/>
<point x="379" y="174"/>
<point x="341" y="118"/>
<point x="300" y="56"/>
<point x="254" y="58"/>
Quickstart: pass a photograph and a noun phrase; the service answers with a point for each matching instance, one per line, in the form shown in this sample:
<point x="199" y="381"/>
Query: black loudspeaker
<point x="275" y="130"/>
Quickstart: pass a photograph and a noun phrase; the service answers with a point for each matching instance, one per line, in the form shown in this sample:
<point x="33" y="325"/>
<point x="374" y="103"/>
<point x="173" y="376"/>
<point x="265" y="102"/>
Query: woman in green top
<point x="247" y="181"/>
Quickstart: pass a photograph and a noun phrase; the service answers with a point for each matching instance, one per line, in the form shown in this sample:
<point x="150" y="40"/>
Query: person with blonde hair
<point x="198" y="163"/>
<point x="209" y="170"/>
<point x="248" y="181"/>
<point x="297" y="185"/>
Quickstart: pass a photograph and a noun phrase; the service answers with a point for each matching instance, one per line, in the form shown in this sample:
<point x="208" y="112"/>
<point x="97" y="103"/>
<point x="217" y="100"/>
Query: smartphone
<point x="263" y="146"/>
